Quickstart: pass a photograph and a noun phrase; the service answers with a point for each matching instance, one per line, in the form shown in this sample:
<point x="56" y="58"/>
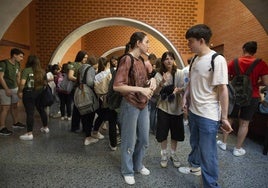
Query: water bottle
<point x="31" y="81"/>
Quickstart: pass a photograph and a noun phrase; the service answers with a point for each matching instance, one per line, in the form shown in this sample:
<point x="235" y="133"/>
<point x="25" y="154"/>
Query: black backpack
<point x="114" y="98"/>
<point x="231" y="90"/>
<point x="242" y="84"/>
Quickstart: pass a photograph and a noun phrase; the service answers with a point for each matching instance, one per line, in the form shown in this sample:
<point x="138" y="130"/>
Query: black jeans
<point x="87" y="123"/>
<point x="65" y="101"/>
<point x="106" y="114"/>
<point x="75" y="124"/>
<point x="31" y="99"/>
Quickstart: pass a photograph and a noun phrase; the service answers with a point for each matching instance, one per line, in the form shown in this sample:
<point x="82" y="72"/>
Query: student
<point x="9" y="77"/>
<point x="101" y="84"/>
<point x="208" y="105"/>
<point x="169" y="110"/>
<point x="31" y="85"/>
<point x="245" y="114"/>
<point x="134" y="116"/>
<point x="81" y="58"/>
<point x="64" y="93"/>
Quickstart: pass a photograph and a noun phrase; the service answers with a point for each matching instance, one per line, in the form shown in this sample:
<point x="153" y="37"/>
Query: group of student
<point x="153" y="98"/>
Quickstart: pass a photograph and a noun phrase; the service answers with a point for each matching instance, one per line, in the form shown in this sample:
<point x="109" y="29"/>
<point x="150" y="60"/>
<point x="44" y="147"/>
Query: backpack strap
<point x="192" y="61"/>
<point x="212" y="60"/>
<point x="252" y="66"/>
<point x="237" y="70"/>
<point x="84" y="80"/>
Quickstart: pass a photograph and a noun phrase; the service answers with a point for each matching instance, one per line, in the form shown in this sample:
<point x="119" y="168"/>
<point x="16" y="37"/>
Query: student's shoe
<point x="221" y="145"/>
<point x="175" y="160"/>
<point x="69" y="118"/>
<point x="144" y="171"/>
<point x="239" y="152"/>
<point x="97" y="135"/>
<point x="5" y="132"/>
<point x="113" y="148"/>
<point x="26" y="136"/>
<point x="44" y="130"/>
<point x="18" y="125"/>
<point x="164" y="160"/>
<point x="190" y="170"/>
<point x="62" y="118"/>
<point x="129" y="180"/>
<point x="90" y="140"/>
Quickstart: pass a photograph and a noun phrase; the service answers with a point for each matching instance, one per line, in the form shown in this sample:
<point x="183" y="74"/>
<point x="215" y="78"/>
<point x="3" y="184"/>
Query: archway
<point x="111" y="21"/>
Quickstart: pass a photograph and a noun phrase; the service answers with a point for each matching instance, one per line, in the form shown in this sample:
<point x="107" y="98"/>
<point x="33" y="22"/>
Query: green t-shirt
<point x="75" y="67"/>
<point x="10" y="73"/>
<point x="27" y="74"/>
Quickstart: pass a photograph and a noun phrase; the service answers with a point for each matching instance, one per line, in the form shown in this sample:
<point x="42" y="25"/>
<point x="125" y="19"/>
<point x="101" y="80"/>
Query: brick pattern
<point x="232" y="25"/>
<point x="56" y="19"/>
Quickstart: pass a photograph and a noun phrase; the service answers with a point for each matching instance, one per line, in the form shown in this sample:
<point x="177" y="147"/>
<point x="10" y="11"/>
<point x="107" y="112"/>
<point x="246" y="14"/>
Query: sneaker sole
<point x="3" y="134"/>
<point x="17" y="127"/>
<point x="196" y="173"/>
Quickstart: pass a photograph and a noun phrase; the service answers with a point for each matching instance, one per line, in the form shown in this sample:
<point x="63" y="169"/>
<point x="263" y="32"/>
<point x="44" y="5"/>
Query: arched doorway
<point x="106" y="22"/>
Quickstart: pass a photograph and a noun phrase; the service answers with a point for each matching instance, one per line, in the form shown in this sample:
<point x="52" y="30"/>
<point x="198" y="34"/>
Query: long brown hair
<point x="39" y="73"/>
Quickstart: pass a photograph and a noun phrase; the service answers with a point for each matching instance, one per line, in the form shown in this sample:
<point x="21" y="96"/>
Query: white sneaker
<point x="26" y="136"/>
<point x="164" y="160"/>
<point x="69" y="118"/>
<point x="221" y="145"/>
<point x="175" y="160"/>
<point x="113" y="148"/>
<point x="62" y="118"/>
<point x="144" y="171"/>
<point x="239" y="152"/>
<point x="97" y="135"/>
<point x="90" y="140"/>
<point x="44" y="130"/>
<point x="129" y="180"/>
<point x="190" y="170"/>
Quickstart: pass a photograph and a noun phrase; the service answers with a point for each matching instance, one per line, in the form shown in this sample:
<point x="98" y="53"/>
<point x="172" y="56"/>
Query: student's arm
<point x="71" y="75"/>
<point x="224" y="101"/>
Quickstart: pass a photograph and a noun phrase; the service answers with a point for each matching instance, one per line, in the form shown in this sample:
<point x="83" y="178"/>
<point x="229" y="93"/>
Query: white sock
<point x="163" y="152"/>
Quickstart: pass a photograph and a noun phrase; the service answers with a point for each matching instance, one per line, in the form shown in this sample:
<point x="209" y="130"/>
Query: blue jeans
<point x="204" y="148"/>
<point x="134" y="137"/>
<point x="153" y="115"/>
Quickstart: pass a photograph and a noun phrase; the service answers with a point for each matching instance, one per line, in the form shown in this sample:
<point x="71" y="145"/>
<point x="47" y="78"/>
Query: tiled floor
<point x="59" y="159"/>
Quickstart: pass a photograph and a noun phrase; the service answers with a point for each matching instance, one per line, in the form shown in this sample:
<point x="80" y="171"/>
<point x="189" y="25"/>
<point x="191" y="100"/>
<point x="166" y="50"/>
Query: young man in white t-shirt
<point x="208" y="105"/>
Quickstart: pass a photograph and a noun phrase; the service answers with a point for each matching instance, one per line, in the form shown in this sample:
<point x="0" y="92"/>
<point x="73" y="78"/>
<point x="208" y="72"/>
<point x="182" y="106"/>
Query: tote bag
<point x="46" y="96"/>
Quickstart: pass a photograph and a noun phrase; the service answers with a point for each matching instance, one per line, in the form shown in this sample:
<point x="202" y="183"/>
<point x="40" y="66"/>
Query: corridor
<point x="60" y="160"/>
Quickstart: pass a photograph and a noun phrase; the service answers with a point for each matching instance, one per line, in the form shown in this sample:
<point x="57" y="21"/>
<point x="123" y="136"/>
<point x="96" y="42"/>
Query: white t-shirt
<point x="51" y="82"/>
<point x="203" y="85"/>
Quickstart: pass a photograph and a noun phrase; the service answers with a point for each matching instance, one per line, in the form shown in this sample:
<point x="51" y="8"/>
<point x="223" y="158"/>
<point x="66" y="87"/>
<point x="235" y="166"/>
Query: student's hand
<point x="152" y="84"/>
<point x="8" y="92"/>
<point x="148" y="92"/>
<point x="226" y="126"/>
<point x="20" y="95"/>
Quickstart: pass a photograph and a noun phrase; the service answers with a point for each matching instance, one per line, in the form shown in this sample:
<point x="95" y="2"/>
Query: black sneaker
<point x="18" y="125"/>
<point x="5" y="132"/>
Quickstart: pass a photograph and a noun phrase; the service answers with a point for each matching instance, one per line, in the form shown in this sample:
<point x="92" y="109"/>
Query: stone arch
<point x="111" y="21"/>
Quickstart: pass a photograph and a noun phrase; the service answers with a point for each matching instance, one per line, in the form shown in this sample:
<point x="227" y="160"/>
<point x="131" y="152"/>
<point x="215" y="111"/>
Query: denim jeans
<point x="204" y="148"/>
<point x="153" y="115"/>
<point x="134" y="137"/>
